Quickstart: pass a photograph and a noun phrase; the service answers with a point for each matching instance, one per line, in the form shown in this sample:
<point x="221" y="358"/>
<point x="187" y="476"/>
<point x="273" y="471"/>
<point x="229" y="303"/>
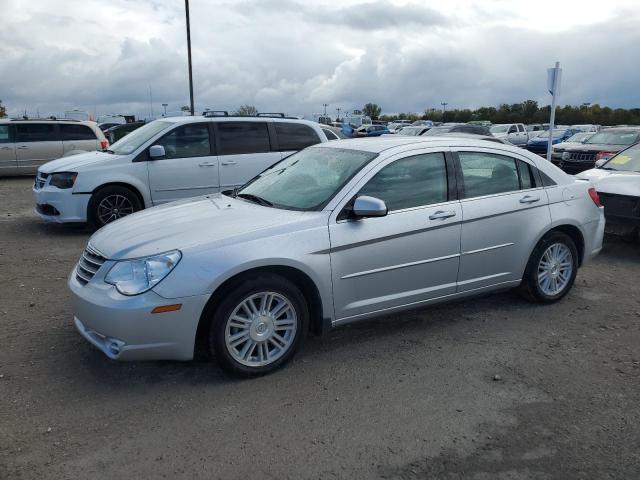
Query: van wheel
<point x="111" y="203"/>
<point x="259" y="326"/>
<point x="551" y="270"/>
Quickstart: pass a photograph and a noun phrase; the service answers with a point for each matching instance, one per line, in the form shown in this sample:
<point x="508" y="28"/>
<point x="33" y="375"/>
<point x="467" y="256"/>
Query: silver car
<point x="336" y="233"/>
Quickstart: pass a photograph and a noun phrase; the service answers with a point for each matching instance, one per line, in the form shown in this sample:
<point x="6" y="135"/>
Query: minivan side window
<point x="76" y="132"/>
<point x="5" y="136"/>
<point x="488" y="174"/>
<point x="188" y="140"/>
<point x="36" y="132"/>
<point x="295" y="136"/>
<point x="410" y="182"/>
<point x="237" y="138"/>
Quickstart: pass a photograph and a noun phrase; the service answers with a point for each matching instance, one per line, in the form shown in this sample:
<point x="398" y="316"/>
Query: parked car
<point x="107" y="125"/>
<point x="575" y="139"/>
<point x="333" y="133"/>
<point x="336" y="233"/>
<point x="116" y="132"/>
<point x="166" y="160"/>
<point x="422" y="123"/>
<point x="458" y="128"/>
<point x="395" y="126"/>
<point x="601" y="146"/>
<point x="414" y="131"/>
<point x="617" y="181"/>
<point x="371" y="131"/>
<point x="540" y="143"/>
<point x="589" y="127"/>
<point x="515" y="133"/>
<point x="27" y="144"/>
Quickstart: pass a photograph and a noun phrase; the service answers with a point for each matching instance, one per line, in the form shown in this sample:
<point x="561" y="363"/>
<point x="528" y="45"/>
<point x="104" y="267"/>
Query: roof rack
<point x="215" y="113"/>
<point x="272" y="115"/>
<point x="52" y="118"/>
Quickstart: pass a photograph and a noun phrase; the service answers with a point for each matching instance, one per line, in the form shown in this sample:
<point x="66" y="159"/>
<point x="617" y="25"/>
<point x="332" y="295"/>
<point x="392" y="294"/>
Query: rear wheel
<point x="551" y="270"/>
<point x="258" y="326"/>
<point x="111" y="203"/>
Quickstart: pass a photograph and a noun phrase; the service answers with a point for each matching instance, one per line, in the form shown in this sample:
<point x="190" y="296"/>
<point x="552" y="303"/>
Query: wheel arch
<point x="572" y="231"/>
<point x="317" y="323"/>
<point x="126" y="185"/>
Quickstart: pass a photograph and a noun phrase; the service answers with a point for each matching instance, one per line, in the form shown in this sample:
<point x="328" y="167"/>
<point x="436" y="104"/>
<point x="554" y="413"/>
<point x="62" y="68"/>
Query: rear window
<point x="238" y="138"/>
<point x="295" y="136"/>
<point x="76" y="132"/>
<point x="36" y="132"/>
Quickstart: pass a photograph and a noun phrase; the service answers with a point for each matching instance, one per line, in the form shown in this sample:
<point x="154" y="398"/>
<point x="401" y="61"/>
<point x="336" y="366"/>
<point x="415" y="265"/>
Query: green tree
<point x="246" y="111"/>
<point x="3" y="110"/>
<point x="372" y="110"/>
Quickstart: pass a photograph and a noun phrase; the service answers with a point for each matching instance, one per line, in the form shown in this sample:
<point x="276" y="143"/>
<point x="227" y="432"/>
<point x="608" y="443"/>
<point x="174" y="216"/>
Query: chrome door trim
<point x="471" y="252"/>
<point x="401" y="265"/>
<point x="480" y="279"/>
<point x="175" y="189"/>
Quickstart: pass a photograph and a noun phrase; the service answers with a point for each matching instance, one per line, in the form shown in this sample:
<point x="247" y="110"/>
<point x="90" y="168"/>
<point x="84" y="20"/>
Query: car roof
<point x="228" y="118"/>
<point x="47" y="120"/>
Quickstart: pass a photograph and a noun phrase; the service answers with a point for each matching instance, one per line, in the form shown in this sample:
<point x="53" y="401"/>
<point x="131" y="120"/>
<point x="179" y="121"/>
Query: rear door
<point x="7" y="148"/>
<point x="244" y="150"/>
<point x="36" y="144"/>
<point x="77" y="137"/>
<point x="292" y="137"/>
<point x="504" y="209"/>
<point x="190" y="167"/>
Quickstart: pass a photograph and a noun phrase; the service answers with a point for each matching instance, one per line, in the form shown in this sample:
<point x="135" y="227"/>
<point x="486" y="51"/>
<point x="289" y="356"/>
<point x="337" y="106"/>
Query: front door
<point x="190" y="167"/>
<point x="36" y="144"/>
<point x="7" y="149"/>
<point x="407" y="257"/>
<point x="504" y="211"/>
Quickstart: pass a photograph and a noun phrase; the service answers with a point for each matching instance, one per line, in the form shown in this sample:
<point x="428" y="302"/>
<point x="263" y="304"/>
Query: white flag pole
<point x="553" y="84"/>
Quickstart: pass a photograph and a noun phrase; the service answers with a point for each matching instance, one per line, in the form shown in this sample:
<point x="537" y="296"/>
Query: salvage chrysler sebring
<point x="336" y="233"/>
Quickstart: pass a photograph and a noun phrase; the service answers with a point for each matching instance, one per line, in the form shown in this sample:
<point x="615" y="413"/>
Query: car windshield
<point x="412" y="131"/>
<point x="499" y="128"/>
<point x="307" y="179"/>
<point x="436" y="131"/>
<point x="135" y="139"/>
<point x="556" y="133"/>
<point x="620" y="137"/>
<point x="578" y="137"/>
<point x="626" y="161"/>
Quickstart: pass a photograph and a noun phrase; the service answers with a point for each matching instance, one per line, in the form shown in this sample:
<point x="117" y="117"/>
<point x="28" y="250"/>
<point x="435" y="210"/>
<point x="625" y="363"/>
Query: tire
<point x="238" y="338"/>
<point x="122" y="200"/>
<point x="559" y="252"/>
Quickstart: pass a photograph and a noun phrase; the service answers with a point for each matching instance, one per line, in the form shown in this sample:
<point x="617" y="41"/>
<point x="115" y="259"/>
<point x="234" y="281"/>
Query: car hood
<point x="539" y="140"/>
<point x="609" y="181"/>
<point x="595" y="147"/>
<point x="74" y="162"/>
<point x="214" y="220"/>
<point x="563" y="145"/>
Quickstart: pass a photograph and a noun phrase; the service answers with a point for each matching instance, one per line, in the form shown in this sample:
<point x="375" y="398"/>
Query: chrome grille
<point x="582" y="157"/>
<point x="89" y="264"/>
<point x="41" y="179"/>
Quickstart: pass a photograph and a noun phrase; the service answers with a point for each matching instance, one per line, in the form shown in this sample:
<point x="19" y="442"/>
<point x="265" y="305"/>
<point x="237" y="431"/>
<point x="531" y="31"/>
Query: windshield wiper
<point x="255" y="199"/>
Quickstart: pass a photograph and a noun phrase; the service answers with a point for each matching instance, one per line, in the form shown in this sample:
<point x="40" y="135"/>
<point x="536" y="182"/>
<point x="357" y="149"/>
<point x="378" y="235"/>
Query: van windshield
<point x="135" y="139"/>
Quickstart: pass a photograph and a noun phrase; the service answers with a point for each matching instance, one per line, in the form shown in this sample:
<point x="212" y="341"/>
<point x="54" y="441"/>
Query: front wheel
<point x="258" y="327"/>
<point x="551" y="270"/>
<point x="111" y="203"/>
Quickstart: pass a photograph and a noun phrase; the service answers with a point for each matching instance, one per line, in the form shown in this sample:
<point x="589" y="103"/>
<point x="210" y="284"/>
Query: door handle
<point x="529" y="199"/>
<point x="207" y="164"/>
<point x="6" y="148"/>
<point x="22" y="147"/>
<point x="441" y="215"/>
<point x="228" y="162"/>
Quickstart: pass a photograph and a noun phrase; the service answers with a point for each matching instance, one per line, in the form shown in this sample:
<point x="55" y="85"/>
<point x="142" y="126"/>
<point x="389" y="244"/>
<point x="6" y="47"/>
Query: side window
<point x="330" y="135"/>
<point x="243" y="137"/>
<point x="76" y="132"/>
<point x="36" y="132"/>
<point x="410" y="182"/>
<point x="4" y="134"/>
<point x="189" y="140"/>
<point x="295" y="136"/>
<point x="488" y="174"/>
<point x="512" y="129"/>
<point x="526" y="175"/>
<point x="521" y="127"/>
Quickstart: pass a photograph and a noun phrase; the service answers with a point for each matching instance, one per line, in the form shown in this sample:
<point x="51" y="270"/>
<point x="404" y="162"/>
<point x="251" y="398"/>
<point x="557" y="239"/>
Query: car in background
<point x="617" y="181"/>
<point x="458" y="128"/>
<point x="116" y="132"/>
<point x="422" y="123"/>
<point x="589" y="127"/>
<point x="371" y="131"/>
<point x="25" y="145"/>
<point x="333" y="133"/>
<point x="397" y="125"/>
<point x="576" y="139"/>
<point x="601" y="146"/>
<point x="540" y="143"/>
<point x="334" y="234"/>
<point x="414" y="131"/>
<point x="107" y="125"/>
<point x="515" y="133"/>
<point x="165" y="160"/>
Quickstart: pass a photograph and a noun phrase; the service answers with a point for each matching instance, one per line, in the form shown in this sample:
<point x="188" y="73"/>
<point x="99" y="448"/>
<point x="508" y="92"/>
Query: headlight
<point x="63" y="179"/>
<point x="132" y="277"/>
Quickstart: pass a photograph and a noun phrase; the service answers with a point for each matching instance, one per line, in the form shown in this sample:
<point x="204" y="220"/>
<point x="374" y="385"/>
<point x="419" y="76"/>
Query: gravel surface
<point x="489" y="388"/>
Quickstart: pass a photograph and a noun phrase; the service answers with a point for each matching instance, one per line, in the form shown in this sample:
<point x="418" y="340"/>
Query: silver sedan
<point x="331" y="235"/>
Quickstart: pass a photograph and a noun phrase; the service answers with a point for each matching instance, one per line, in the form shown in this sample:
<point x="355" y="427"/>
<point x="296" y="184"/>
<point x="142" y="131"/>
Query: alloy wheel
<point x="114" y="207"/>
<point x="555" y="269"/>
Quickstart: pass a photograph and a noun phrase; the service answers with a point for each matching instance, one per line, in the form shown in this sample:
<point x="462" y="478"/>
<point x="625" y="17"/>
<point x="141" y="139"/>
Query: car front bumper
<point x="124" y="328"/>
<point x="60" y="205"/>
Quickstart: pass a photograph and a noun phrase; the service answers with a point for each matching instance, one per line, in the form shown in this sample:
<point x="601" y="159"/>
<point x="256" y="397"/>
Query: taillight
<point x="604" y="155"/>
<point x="595" y="197"/>
<point x="104" y="144"/>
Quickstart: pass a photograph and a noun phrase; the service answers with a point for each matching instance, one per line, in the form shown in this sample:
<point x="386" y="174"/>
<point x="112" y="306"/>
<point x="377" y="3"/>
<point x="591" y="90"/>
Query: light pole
<point x="338" y="118"/>
<point x="325" y="105"/>
<point x="444" y="109"/>
<point x="165" y="105"/>
<point x="186" y="7"/>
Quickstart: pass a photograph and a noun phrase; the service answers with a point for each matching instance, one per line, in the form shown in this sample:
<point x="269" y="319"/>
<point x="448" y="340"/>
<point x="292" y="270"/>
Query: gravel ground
<point x="489" y="388"/>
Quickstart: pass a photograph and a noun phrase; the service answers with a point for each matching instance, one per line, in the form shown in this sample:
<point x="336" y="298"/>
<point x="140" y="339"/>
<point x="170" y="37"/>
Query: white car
<point x="617" y="182"/>
<point x="167" y="160"/>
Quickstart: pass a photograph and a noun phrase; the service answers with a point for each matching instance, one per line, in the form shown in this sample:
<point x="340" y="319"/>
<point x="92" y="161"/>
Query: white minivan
<point x="166" y="160"/>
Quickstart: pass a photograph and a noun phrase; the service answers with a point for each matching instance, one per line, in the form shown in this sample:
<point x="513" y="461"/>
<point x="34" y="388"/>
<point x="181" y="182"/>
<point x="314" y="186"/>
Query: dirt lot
<point x="491" y="388"/>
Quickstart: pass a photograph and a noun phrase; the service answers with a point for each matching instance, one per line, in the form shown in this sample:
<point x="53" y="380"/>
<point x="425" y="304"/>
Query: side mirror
<point x="366" y="206"/>
<point x="601" y="162"/>
<point x="156" y="151"/>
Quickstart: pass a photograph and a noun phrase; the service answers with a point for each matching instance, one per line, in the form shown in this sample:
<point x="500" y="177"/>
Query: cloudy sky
<point x="295" y="55"/>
